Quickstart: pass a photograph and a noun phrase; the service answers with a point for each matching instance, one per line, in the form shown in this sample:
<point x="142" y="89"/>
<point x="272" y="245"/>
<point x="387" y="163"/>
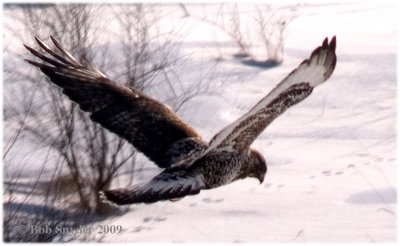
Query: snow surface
<point x="332" y="173"/>
<point x="331" y="159"/>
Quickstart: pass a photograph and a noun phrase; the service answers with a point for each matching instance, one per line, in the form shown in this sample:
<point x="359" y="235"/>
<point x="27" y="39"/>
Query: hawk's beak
<point x="261" y="178"/>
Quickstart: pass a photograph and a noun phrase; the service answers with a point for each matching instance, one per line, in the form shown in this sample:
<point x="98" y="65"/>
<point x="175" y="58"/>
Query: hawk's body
<point x="191" y="164"/>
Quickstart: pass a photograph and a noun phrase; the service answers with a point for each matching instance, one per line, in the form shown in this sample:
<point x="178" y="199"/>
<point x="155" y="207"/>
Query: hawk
<point x="190" y="163"/>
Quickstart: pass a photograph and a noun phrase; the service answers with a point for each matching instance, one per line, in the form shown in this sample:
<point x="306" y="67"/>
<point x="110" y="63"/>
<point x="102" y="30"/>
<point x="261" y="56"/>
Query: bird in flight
<point x="190" y="163"/>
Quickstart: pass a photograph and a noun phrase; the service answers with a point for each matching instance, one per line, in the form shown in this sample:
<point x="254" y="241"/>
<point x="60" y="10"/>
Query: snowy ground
<point x="332" y="158"/>
<point x="332" y="174"/>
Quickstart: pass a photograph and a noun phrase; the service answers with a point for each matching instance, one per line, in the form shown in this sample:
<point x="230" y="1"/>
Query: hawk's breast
<point x="220" y="169"/>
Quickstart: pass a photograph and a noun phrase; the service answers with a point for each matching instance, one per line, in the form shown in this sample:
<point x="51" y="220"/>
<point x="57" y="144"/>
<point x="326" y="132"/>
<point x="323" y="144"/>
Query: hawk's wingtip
<point x="38" y="39"/>
<point x="332" y="44"/>
<point x="53" y="39"/>
<point x="30" y="49"/>
<point x="31" y="62"/>
<point x="325" y="42"/>
<point x="104" y="199"/>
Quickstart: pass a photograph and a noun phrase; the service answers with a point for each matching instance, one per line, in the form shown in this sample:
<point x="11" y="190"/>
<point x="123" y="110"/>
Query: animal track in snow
<point x="157" y="219"/>
<point x="209" y="200"/>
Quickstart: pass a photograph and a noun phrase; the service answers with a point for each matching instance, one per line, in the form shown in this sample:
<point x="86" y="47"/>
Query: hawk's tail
<point x="165" y="186"/>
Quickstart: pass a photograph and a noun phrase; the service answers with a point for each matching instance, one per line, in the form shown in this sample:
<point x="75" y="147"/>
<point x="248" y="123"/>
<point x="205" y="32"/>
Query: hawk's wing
<point x="165" y="186"/>
<point x="299" y="84"/>
<point x="152" y="127"/>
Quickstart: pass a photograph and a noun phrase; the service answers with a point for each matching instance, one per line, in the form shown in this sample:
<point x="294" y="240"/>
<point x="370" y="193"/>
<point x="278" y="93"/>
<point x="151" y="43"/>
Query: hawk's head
<point x="257" y="165"/>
